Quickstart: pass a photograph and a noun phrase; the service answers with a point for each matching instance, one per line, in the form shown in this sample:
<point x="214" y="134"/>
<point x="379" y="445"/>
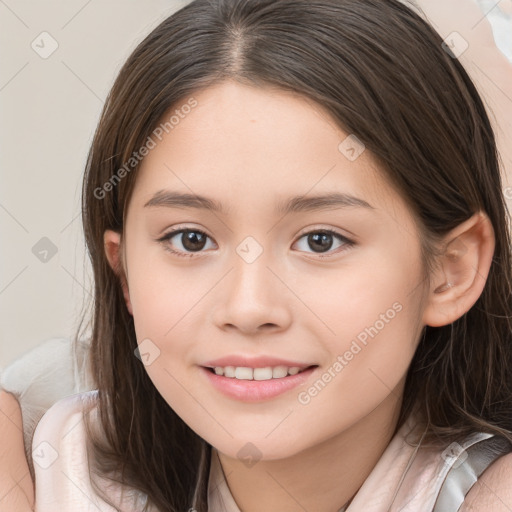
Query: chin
<point x="253" y="449"/>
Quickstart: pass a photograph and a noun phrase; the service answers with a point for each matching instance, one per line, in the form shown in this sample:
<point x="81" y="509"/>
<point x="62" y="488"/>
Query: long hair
<point x="383" y="74"/>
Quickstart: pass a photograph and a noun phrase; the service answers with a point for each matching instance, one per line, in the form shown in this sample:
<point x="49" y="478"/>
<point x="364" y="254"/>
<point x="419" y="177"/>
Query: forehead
<point x="251" y="147"/>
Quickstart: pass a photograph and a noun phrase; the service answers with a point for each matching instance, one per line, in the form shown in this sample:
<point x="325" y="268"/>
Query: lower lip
<point x="256" y="390"/>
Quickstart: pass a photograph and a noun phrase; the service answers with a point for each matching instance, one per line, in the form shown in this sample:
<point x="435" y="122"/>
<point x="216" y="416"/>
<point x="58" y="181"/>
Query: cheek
<point x="165" y="296"/>
<point x="366" y="361"/>
<point x="164" y="319"/>
<point x="372" y="318"/>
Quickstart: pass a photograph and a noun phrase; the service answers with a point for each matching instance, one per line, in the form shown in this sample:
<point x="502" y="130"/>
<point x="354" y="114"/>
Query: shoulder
<point x="59" y="455"/>
<point x="64" y="411"/>
<point x="60" y="431"/>
<point x="493" y="489"/>
<point x="62" y="462"/>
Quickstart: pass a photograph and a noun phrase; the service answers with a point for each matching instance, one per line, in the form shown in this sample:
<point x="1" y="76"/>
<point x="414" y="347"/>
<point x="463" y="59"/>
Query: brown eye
<point x="321" y="241"/>
<point x="193" y="240"/>
<point x="188" y="241"/>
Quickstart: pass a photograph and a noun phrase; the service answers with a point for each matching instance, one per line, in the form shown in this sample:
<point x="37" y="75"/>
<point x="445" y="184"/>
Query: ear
<point x="112" y="242"/>
<point x="462" y="271"/>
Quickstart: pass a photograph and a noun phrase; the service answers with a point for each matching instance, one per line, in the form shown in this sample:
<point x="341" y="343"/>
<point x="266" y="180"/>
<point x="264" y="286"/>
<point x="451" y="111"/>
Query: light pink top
<point x="405" y="478"/>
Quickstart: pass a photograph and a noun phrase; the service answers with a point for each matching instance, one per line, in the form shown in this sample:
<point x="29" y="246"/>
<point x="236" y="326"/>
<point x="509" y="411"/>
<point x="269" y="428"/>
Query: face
<point x="332" y="288"/>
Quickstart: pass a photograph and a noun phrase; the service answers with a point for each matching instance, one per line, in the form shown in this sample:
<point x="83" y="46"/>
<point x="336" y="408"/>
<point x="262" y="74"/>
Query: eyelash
<point x="164" y="239"/>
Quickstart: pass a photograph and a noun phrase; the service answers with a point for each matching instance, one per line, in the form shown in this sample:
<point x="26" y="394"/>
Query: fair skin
<point x="259" y="147"/>
<point x="287" y="302"/>
<point x="16" y="487"/>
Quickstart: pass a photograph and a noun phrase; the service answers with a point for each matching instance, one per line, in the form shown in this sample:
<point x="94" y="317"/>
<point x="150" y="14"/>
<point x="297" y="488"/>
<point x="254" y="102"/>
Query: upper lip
<point x="254" y="362"/>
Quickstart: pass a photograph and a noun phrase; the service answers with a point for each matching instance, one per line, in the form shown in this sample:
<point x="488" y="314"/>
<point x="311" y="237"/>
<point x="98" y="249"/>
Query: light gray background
<point x="49" y="108"/>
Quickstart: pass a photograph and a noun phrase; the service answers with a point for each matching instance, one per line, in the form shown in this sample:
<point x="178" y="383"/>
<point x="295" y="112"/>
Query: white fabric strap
<point x="466" y="466"/>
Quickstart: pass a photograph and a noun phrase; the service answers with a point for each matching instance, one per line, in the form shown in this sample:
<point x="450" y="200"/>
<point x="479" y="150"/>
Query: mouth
<point x="258" y="374"/>
<point x="259" y="384"/>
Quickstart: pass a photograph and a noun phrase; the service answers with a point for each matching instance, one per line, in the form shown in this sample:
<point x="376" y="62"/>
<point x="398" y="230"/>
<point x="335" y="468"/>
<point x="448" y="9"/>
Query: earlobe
<point x="462" y="272"/>
<point x="112" y="243"/>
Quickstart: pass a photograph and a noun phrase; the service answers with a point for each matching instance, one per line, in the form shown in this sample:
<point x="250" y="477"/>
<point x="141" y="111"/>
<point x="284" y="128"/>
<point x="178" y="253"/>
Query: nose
<point x="253" y="299"/>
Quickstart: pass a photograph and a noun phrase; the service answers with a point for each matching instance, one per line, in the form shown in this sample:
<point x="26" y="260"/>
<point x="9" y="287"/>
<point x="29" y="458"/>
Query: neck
<point x="324" y="477"/>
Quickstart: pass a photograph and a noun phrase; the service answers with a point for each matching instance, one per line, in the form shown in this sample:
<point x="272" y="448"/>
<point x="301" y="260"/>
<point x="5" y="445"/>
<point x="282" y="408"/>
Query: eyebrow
<point x="334" y="200"/>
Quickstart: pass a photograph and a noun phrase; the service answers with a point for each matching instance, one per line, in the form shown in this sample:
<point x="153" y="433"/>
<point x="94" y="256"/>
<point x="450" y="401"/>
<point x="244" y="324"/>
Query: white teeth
<point x="279" y="371"/>
<point x="243" y="373"/>
<point x="229" y="371"/>
<point x="262" y="373"/>
<point x="266" y="373"/>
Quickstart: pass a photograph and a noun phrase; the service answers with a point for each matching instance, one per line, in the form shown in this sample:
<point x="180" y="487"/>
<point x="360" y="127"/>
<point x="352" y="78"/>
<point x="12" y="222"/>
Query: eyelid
<point x="184" y="227"/>
<point x="349" y="242"/>
<point x="175" y="230"/>
<point x="319" y="227"/>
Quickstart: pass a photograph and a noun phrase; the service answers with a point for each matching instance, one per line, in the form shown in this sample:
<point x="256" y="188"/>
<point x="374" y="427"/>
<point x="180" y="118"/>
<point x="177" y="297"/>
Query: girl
<point x="300" y="244"/>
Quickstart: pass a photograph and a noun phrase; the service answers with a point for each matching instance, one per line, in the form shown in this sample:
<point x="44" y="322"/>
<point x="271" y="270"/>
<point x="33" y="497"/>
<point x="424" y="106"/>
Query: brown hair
<point x="380" y="70"/>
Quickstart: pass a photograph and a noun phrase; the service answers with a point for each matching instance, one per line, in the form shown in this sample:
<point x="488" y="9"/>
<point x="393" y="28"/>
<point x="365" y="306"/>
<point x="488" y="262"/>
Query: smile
<point x="266" y="373"/>
<point x="248" y="384"/>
